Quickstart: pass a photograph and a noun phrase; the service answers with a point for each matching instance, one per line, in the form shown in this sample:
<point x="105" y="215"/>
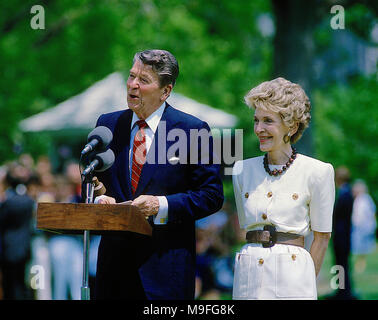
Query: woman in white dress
<point x="281" y="197"/>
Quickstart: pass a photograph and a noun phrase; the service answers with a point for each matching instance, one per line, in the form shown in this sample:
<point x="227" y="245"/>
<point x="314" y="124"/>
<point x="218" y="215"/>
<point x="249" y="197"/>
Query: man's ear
<point x="166" y="92"/>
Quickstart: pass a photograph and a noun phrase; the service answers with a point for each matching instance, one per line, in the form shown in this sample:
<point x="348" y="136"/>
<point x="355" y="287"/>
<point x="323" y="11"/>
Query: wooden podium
<point x="97" y="218"/>
<point x="74" y="218"/>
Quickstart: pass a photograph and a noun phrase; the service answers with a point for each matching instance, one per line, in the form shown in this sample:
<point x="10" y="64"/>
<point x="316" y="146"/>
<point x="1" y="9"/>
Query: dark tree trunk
<point x="294" y="50"/>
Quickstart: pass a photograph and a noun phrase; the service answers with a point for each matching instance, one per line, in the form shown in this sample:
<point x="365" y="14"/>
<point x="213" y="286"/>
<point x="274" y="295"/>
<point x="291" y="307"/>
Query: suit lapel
<point x="121" y="147"/>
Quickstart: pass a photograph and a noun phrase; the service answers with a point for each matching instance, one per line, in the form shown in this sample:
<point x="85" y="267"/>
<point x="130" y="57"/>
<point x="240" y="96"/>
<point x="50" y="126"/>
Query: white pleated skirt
<point x="280" y="272"/>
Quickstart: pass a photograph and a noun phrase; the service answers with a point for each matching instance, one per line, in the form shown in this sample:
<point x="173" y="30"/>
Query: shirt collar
<point x="153" y="119"/>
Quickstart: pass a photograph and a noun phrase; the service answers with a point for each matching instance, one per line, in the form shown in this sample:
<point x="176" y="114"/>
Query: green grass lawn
<point x="365" y="284"/>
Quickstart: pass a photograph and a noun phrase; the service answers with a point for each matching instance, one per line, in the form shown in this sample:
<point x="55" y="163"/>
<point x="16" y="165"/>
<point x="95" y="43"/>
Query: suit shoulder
<point x="185" y="118"/>
<point x="111" y="117"/>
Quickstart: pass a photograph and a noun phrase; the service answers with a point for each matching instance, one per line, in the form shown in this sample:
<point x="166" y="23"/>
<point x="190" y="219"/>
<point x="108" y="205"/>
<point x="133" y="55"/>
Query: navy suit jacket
<point x="193" y="191"/>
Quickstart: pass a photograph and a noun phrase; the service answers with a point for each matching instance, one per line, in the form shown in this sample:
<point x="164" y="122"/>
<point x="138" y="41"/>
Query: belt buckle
<point x="272" y="236"/>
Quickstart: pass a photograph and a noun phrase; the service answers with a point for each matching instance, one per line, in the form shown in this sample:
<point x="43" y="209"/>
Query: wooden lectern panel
<point x="73" y="217"/>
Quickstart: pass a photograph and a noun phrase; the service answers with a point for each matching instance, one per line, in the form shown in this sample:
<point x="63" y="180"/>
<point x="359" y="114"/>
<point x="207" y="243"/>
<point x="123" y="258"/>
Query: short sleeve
<point x="322" y="199"/>
<point x="236" y="180"/>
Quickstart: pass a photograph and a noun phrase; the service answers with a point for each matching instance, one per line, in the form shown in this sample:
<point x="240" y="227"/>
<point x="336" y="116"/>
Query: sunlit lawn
<point x="365" y="284"/>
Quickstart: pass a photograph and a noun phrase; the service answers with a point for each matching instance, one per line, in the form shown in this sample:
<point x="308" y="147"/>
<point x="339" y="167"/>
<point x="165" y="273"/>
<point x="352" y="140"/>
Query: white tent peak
<point x="108" y="95"/>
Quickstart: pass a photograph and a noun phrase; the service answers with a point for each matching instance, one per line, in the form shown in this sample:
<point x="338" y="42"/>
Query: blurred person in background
<point x="33" y="188"/>
<point x="205" y="282"/>
<point x="364" y="225"/>
<point x="44" y="172"/>
<point x="16" y="213"/>
<point x="26" y="160"/>
<point x="342" y="222"/>
<point x="209" y="247"/>
<point x="3" y="173"/>
<point x="66" y="251"/>
<point x="214" y="260"/>
<point x="41" y="189"/>
<point x="72" y="173"/>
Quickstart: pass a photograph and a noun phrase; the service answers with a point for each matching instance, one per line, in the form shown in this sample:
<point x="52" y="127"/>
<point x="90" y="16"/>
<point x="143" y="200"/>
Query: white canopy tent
<point x="81" y="111"/>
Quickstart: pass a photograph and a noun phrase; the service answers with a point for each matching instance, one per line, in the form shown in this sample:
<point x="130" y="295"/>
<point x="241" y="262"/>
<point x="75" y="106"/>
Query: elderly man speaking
<point x="172" y="194"/>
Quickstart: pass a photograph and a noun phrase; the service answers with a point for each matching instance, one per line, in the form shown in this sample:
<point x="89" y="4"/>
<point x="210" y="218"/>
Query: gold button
<point x="269" y="194"/>
<point x="293" y="257"/>
<point x="246" y="195"/>
<point x="264" y="216"/>
<point x="261" y="261"/>
<point x="295" y="196"/>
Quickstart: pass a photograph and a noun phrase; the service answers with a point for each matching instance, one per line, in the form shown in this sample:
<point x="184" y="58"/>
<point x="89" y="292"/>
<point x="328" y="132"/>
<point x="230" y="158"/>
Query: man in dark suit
<point x="342" y="219"/>
<point x="165" y="165"/>
<point x="16" y="214"/>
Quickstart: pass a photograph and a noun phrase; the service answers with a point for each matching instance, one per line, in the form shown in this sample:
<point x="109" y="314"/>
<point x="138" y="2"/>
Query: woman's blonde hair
<point x="287" y="99"/>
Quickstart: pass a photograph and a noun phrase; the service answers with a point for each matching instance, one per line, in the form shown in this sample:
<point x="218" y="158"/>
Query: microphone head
<point x="106" y="160"/>
<point x="102" y="134"/>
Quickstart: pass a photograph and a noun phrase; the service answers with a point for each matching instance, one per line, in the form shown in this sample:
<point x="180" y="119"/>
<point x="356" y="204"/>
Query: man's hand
<point x="106" y="200"/>
<point x="148" y="205"/>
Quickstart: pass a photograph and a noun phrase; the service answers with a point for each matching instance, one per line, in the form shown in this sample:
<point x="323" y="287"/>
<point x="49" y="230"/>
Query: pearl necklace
<point x="276" y="172"/>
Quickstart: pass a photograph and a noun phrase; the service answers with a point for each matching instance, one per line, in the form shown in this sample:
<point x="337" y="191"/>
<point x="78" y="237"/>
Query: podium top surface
<point x="73" y="217"/>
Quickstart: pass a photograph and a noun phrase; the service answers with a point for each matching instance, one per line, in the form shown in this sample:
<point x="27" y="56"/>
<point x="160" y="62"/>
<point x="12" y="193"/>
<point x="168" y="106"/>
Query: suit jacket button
<point x="261" y="262"/>
<point x="264" y="216"/>
<point x="294" y="257"/>
<point x="246" y="195"/>
<point x="295" y="196"/>
<point x="269" y="194"/>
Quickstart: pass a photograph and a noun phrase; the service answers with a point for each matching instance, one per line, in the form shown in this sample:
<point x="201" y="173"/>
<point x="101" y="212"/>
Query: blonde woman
<point x="281" y="197"/>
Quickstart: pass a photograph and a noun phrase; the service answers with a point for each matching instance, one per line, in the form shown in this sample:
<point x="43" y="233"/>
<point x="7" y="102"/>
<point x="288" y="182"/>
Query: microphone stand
<point x="88" y="185"/>
<point x="88" y="193"/>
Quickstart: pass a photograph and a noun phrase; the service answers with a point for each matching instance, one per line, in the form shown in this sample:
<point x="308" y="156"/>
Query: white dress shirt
<point x="152" y="123"/>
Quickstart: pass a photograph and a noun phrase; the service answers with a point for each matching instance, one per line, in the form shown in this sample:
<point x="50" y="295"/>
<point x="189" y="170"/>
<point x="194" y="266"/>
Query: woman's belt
<point x="268" y="237"/>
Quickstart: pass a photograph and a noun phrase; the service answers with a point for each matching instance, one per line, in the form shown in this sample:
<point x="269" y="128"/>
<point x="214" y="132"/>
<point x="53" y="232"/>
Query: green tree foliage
<point x="221" y="51"/>
<point x="85" y="40"/>
<point x="346" y="119"/>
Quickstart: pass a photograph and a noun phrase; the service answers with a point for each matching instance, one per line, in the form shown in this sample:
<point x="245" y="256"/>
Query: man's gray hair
<point x="162" y="62"/>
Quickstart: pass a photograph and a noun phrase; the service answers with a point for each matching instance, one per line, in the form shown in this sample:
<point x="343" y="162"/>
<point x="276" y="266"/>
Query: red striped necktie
<point x="139" y="154"/>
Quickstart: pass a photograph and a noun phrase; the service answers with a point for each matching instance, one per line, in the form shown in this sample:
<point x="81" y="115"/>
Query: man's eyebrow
<point x="142" y="74"/>
<point x="146" y="75"/>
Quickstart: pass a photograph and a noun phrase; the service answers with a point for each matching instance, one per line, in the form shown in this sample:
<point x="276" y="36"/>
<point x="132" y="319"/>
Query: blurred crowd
<point x="28" y="254"/>
<point x="42" y="265"/>
<point x="354" y="230"/>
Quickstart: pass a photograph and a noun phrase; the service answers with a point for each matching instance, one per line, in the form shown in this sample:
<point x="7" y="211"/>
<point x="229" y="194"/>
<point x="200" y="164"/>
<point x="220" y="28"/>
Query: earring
<point x="286" y="138"/>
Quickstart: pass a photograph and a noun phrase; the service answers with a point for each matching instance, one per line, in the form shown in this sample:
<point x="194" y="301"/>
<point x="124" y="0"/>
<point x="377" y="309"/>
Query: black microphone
<point x="100" y="162"/>
<point x="99" y="137"/>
